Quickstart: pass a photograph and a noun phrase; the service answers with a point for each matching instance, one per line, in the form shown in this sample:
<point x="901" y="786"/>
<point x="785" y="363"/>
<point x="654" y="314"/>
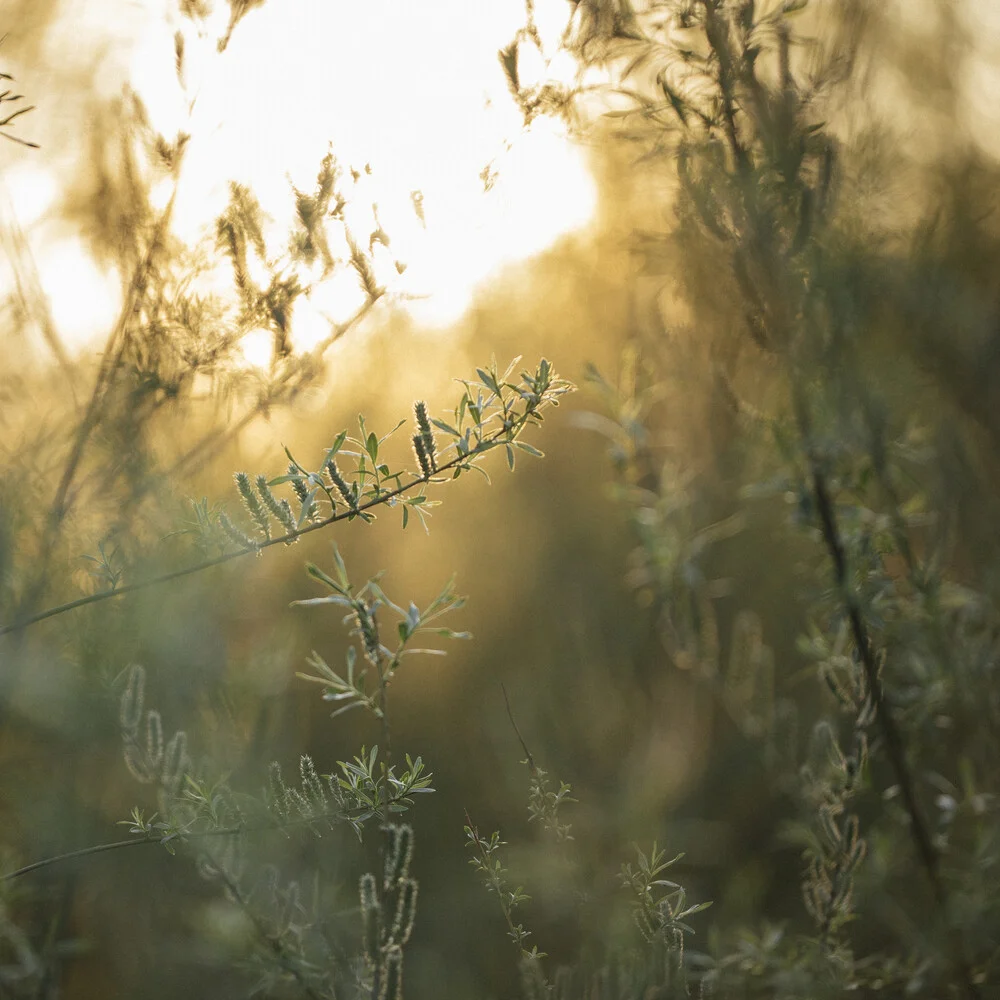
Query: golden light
<point x="413" y="90"/>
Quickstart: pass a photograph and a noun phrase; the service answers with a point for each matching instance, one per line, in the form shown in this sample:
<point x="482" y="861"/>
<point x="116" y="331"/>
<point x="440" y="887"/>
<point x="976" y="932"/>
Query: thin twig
<point x="524" y="746"/>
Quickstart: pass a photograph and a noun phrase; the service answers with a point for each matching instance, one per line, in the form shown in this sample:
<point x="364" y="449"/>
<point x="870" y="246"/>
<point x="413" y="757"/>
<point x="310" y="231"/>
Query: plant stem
<point x="382" y="498"/>
<point x="891" y="736"/>
<point x="158" y="838"/>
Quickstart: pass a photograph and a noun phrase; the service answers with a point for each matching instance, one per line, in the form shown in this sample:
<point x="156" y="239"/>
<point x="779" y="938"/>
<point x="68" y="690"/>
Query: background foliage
<point x="744" y="610"/>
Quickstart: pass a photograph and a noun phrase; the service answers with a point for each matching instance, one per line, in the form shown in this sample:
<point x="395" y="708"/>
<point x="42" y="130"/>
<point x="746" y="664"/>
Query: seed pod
<point x="398" y="853"/>
<point x="130" y="710"/>
<point x="342" y="488"/>
<point x="406" y="911"/>
<point x="392" y="974"/>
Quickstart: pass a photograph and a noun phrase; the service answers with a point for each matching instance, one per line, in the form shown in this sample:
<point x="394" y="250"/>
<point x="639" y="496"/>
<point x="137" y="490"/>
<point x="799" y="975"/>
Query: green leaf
<point x="530" y="449"/>
<point x="389" y="434"/>
<point x="341" y="568"/>
<point x="488" y="380"/>
<point x="314" y="571"/>
<point x="449" y="634"/>
<point x="510" y="457"/>
<point x="372" y="446"/>
<point x="338" y="443"/>
<point x="332" y="599"/>
<point x="447" y="428"/>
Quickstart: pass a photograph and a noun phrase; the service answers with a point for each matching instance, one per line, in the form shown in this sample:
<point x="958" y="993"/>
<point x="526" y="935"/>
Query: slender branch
<point x="81" y="853"/>
<point x="382" y="498"/>
<point x="212" y="443"/>
<point x="18" y="139"/>
<point x="891" y="735"/>
<point x="339" y="815"/>
<point x="524" y="746"/>
<point x="717" y="34"/>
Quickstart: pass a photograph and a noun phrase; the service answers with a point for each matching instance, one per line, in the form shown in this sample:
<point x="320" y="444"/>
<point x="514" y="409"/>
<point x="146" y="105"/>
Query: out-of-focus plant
<point x="199" y="811"/>
<point x="290" y="945"/>
<point x="751" y="110"/>
<point x="174" y="352"/>
<point x="10" y="110"/>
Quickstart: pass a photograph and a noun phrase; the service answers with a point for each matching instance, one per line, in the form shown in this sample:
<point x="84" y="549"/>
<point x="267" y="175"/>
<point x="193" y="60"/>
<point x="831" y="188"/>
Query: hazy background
<point x="540" y="264"/>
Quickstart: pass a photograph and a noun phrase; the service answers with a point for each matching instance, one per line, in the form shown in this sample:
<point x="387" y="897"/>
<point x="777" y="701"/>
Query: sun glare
<point x="413" y="91"/>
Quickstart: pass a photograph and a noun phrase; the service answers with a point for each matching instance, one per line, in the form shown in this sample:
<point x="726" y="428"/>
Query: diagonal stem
<point x="382" y="498"/>
<point x="891" y="735"/>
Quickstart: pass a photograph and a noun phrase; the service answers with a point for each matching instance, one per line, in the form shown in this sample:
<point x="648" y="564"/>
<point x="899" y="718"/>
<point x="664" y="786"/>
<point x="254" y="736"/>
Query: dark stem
<point x="891" y="736"/>
<point x="717" y="34"/>
<point x="113" y="353"/>
<point x="524" y="746"/>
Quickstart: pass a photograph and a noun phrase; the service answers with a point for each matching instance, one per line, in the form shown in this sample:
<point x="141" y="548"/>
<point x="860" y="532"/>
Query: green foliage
<point x="364" y="605"/>
<point x="660" y="905"/>
<point x="489" y="865"/>
<point x="805" y="575"/>
<point x="767" y="257"/>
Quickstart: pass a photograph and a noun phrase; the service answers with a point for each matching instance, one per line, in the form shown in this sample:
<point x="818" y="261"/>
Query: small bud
<point x="255" y="510"/>
<point x="135" y="761"/>
<point x="154" y="738"/>
<point x="367" y="628"/>
<point x="342" y="488"/>
<point x="371" y="912"/>
<point x="175" y="761"/>
<point x="426" y="433"/>
<point x="301" y="491"/>
<point x="234" y="534"/>
<point x="130" y="710"/>
<point x="392" y="974"/>
<point x="312" y="787"/>
<point x="423" y="459"/>
<point x="276" y="788"/>
<point x="406" y="910"/>
<point x="398" y="853"/>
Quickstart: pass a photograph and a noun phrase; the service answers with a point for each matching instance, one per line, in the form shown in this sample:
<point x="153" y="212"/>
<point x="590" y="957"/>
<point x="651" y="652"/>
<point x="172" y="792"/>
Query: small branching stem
<point x="113" y="352"/>
<point x="272" y="943"/>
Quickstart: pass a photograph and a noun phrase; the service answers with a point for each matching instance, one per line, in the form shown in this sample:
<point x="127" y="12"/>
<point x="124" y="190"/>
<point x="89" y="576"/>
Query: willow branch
<point x="383" y="498"/>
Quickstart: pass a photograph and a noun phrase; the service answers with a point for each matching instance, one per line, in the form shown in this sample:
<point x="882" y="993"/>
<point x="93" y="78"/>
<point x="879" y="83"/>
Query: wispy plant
<point x="737" y="104"/>
<point x="492" y="413"/>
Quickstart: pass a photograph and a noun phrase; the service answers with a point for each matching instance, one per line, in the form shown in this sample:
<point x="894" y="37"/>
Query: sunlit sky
<point x="413" y="89"/>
